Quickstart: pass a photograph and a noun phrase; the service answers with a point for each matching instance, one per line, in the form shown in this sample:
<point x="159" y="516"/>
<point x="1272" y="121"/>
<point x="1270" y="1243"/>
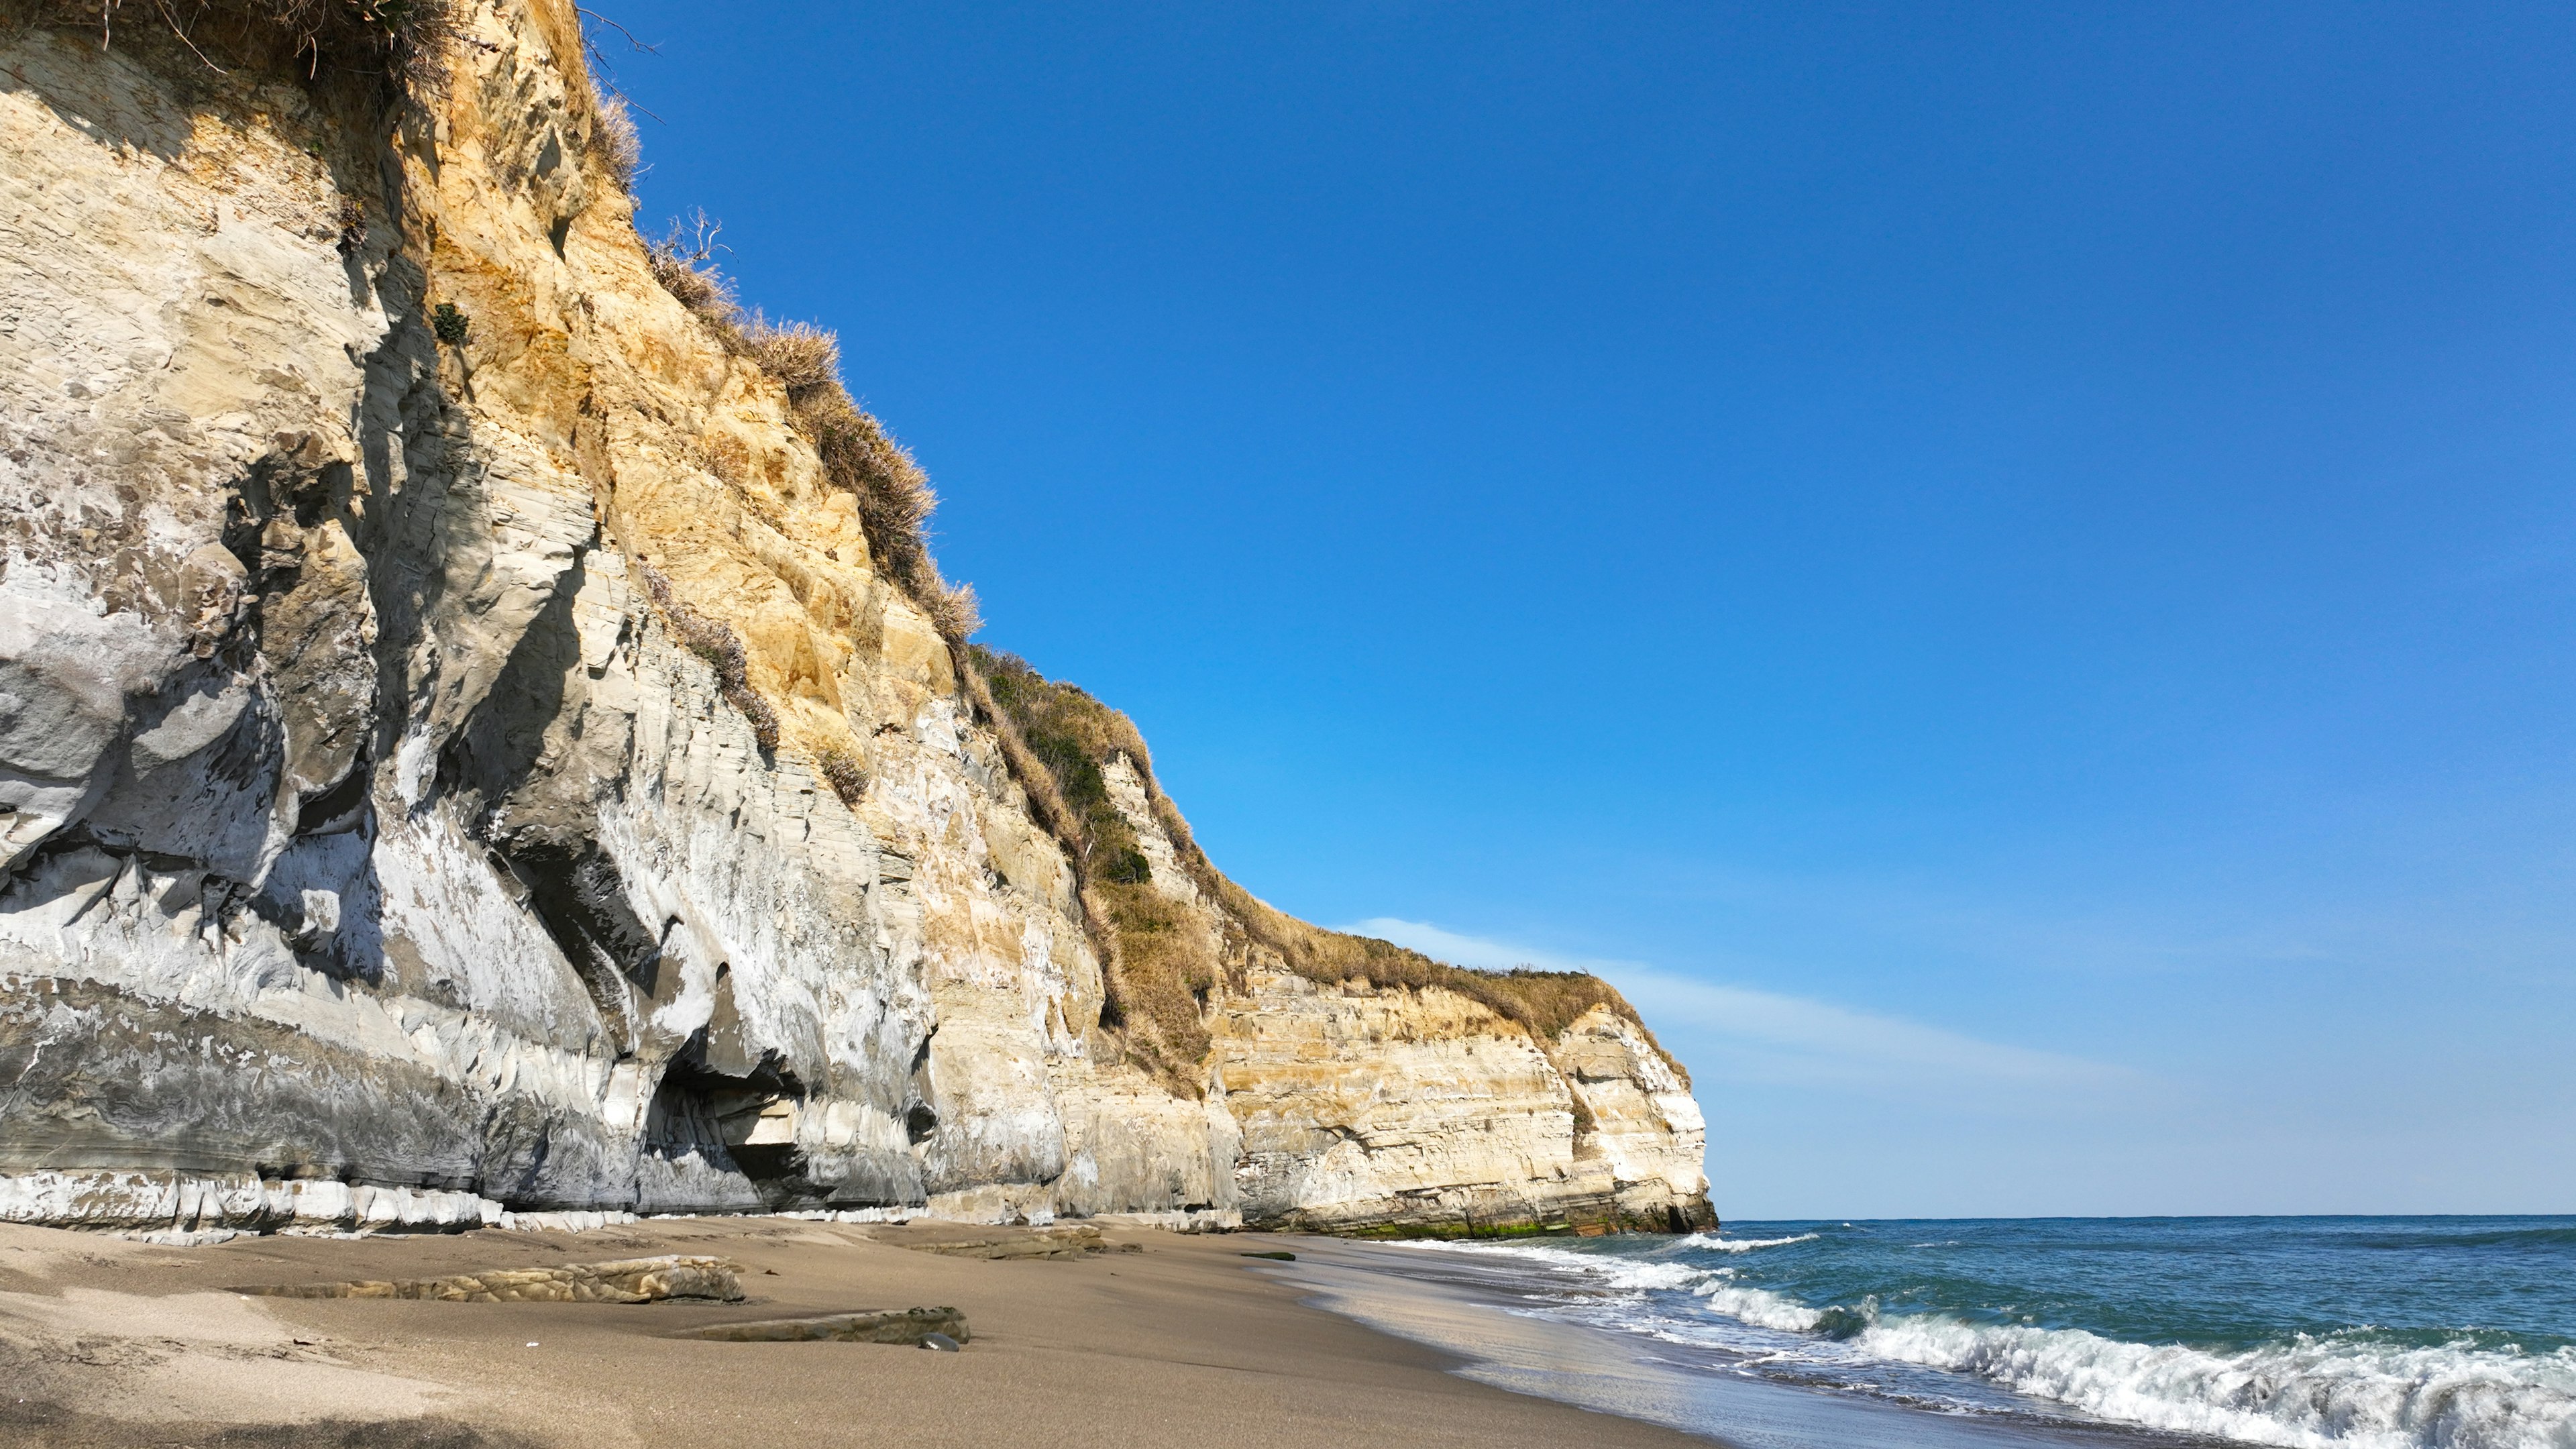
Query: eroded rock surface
<point x="909" y="1325"/>
<point x="373" y="853"/>
<point x="1067" y="1241"/>
<point x="626" y="1280"/>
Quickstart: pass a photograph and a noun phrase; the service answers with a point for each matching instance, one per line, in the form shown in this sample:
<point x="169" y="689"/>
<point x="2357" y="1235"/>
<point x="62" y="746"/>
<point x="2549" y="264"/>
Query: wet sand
<point x="110" y="1342"/>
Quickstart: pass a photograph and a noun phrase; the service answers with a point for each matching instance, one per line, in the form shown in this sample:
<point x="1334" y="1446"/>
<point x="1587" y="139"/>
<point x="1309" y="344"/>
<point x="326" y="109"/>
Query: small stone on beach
<point x="939" y="1343"/>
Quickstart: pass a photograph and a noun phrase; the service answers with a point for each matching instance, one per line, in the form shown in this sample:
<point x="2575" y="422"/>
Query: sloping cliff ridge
<point x="448" y="777"/>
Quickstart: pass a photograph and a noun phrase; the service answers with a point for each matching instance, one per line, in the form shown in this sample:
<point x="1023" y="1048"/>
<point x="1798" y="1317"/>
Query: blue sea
<point x="2356" y="1333"/>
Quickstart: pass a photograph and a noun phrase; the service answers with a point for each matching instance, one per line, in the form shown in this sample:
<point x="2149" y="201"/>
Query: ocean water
<point x="2316" y="1333"/>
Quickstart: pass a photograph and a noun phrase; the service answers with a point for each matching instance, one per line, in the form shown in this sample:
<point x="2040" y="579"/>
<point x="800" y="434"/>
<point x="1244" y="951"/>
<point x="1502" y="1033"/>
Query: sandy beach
<point x="105" y="1341"/>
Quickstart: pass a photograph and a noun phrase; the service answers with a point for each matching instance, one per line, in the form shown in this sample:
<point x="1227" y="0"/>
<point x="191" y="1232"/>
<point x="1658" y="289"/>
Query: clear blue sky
<point x="2009" y="570"/>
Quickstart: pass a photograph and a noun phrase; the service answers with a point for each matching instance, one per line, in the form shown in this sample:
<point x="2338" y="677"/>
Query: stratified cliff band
<point x="462" y="751"/>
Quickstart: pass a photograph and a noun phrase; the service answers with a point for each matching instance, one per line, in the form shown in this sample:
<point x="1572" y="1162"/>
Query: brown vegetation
<point x="1545" y="1002"/>
<point x="613" y="142"/>
<point x="894" y="496"/>
<point x="402" y="43"/>
<point x="719" y="646"/>
<point x="843" y="772"/>
<point x="1161" y="966"/>
<point x="1160" y="972"/>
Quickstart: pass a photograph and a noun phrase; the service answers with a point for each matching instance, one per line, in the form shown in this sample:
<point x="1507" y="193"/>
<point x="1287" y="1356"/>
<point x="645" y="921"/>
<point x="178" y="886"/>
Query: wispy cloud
<point x="1745" y="1034"/>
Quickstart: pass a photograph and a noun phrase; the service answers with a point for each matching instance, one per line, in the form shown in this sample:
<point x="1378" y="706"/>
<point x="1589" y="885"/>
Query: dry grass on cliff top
<point x="1545" y="1002"/>
<point x="894" y="496"/>
<point x="385" y="49"/>
<point x="1160" y="973"/>
<point x="401" y="42"/>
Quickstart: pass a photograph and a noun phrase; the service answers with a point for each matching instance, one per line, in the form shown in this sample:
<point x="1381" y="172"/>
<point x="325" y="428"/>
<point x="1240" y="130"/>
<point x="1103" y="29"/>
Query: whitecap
<point x="1759" y="1306"/>
<point x="1716" y="1244"/>
<point x="1609" y="1272"/>
<point x="2334" y="1392"/>
<point x="2354" y="1389"/>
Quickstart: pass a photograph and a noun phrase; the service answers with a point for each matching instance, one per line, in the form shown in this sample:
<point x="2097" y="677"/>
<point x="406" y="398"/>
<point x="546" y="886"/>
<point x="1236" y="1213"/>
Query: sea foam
<point x="2338" y="1391"/>
<point x="1711" y="1242"/>
<point x="2333" y="1391"/>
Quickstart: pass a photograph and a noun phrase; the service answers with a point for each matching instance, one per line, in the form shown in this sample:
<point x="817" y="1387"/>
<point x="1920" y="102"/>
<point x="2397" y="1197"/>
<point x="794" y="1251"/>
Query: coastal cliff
<point x="468" y="747"/>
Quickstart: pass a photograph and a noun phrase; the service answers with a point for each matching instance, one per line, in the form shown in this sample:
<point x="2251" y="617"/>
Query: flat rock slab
<point x="626" y="1280"/>
<point x="910" y="1325"/>
<point x="1076" y="1241"/>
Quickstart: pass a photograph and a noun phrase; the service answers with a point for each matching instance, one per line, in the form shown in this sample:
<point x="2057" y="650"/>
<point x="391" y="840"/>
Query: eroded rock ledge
<point x="376" y="853"/>
<point x="627" y="1280"/>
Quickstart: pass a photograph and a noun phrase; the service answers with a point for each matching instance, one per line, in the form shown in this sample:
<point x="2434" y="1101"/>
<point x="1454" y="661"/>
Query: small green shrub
<point x="1059" y="741"/>
<point x="449" y="325"/>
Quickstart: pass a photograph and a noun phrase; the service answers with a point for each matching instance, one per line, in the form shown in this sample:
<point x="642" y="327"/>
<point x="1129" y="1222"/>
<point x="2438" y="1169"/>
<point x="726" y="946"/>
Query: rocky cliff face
<point x="386" y="839"/>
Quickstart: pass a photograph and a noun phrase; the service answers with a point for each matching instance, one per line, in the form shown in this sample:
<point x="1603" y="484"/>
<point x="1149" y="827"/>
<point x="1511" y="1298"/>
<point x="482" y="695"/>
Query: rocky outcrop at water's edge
<point x="383" y="844"/>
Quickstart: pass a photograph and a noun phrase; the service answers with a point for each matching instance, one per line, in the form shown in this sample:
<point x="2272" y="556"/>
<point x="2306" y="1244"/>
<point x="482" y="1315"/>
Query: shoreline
<point x="1079" y="1334"/>
<point x="110" y="1342"/>
<point x="1500" y="1340"/>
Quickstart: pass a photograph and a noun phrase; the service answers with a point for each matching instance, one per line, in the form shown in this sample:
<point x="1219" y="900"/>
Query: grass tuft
<point x="843" y="772"/>
<point x="683" y="259"/>
<point x="613" y="142"/>
<point x="353" y="226"/>
<point x="803" y="357"/>
<point x="894" y="495"/>
<point x="719" y="646"/>
<point x="954" y="610"/>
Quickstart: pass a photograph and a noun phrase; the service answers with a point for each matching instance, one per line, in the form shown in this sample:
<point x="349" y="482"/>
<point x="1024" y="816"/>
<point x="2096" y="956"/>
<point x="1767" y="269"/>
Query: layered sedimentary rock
<point x="628" y="1280"/>
<point x="384" y="847"/>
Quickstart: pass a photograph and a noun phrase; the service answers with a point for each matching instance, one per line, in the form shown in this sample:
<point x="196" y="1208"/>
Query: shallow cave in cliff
<point x="725" y="1143"/>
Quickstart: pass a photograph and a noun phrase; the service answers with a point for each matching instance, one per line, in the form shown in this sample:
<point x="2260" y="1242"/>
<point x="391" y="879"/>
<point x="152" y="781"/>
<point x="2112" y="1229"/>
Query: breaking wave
<point x="2306" y="1392"/>
<point x="2359" y="1388"/>
<point x="2335" y="1391"/>
<point x="1711" y="1242"/>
